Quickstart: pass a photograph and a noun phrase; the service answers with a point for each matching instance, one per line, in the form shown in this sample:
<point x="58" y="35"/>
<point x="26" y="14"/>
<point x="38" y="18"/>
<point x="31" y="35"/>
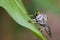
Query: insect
<point x="41" y="19"/>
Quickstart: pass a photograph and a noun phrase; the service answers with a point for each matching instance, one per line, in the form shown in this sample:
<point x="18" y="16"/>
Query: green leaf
<point x="17" y="11"/>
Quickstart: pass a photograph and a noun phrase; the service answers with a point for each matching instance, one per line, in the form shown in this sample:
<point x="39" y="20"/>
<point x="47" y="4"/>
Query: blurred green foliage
<point x="42" y="5"/>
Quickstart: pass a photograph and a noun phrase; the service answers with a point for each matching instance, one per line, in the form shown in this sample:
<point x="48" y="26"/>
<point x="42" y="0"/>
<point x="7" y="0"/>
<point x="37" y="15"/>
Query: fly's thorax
<point x="40" y="18"/>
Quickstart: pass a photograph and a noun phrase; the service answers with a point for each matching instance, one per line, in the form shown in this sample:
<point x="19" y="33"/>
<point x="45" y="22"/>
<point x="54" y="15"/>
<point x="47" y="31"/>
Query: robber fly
<point x="41" y="19"/>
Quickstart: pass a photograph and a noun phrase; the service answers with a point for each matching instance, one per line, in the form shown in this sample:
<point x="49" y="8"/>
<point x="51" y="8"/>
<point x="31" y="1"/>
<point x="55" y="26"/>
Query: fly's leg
<point x="32" y="21"/>
<point x="47" y="28"/>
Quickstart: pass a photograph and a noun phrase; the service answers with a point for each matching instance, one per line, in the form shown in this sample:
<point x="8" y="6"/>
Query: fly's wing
<point x="45" y="17"/>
